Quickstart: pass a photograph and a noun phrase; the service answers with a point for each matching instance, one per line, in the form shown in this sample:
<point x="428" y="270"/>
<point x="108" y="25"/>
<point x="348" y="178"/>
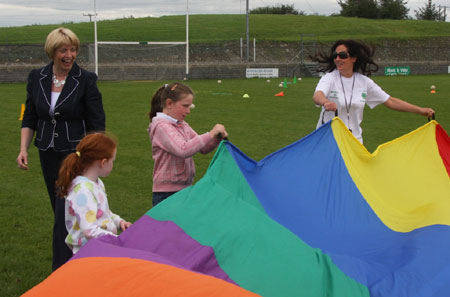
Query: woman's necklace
<point x="58" y="83"/>
<point x="349" y="105"/>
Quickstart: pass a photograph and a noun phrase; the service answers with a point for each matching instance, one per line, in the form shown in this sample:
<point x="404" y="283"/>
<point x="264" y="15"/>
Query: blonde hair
<point x="59" y="37"/>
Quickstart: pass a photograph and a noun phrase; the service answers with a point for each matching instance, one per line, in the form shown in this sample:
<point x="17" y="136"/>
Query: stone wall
<point x="219" y="60"/>
<point x="19" y="73"/>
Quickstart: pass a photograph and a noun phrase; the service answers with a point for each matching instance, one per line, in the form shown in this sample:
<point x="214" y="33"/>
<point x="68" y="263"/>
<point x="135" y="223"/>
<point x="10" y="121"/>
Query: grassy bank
<point x="214" y="28"/>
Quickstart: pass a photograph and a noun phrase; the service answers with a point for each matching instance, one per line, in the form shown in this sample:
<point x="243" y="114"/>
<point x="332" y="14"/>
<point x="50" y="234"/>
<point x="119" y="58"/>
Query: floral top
<point x="87" y="213"/>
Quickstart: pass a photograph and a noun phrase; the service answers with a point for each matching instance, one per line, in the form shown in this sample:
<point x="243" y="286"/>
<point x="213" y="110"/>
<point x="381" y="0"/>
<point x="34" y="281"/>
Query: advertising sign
<point x="401" y="70"/>
<point x="261" y="72"/>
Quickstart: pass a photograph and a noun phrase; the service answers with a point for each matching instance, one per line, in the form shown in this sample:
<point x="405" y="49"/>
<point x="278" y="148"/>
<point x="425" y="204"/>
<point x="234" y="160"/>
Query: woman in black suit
<point x="63" y="104"/>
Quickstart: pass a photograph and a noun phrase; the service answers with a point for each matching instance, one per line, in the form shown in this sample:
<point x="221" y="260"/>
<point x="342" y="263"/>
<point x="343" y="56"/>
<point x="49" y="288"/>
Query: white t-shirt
<point x="359" y="90"/>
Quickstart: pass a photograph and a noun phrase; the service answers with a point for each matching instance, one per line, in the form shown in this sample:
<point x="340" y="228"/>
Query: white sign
<point x="448" y="69"/>
<point x="261" y="72"/>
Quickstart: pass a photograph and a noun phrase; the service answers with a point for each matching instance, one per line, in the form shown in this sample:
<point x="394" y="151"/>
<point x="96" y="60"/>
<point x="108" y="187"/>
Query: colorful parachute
<point x="320" y="217"/>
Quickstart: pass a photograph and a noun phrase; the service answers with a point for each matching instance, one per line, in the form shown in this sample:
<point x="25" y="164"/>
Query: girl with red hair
<point x="87" y="210"/>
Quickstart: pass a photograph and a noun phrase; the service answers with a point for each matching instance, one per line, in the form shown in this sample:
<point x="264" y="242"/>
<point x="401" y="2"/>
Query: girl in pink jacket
<point x="174" y="142"/>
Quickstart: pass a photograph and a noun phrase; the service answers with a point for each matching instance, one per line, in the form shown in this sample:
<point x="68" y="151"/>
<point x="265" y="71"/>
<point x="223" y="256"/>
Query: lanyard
<point x="349" y="105"/>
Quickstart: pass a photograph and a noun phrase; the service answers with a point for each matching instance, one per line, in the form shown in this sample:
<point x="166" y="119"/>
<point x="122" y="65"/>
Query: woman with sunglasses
<point x="346" y="87"/>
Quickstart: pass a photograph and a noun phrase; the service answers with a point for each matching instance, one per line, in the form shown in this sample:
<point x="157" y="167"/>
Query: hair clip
<point x="166" y="85"/>
<point x="174" y="87"/>
<point x="78" y="154"/>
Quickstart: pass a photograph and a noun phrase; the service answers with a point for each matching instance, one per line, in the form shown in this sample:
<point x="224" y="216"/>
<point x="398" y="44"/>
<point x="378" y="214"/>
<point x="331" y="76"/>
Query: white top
<point x="359" y="90"/>
<point x="55" y="96"/>
<point x="166" y="116"/>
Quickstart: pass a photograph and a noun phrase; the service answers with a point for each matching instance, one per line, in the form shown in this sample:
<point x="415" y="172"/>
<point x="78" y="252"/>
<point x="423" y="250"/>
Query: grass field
<point x="220" y="28"/>
<point x="258" y="125"/>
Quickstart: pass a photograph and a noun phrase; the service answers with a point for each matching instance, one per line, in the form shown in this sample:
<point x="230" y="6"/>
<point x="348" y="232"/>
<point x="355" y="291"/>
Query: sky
<point x="32" y="12"/>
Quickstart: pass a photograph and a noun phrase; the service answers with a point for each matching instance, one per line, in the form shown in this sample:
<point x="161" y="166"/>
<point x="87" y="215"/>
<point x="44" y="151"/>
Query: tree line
<point x="371" y="9"/>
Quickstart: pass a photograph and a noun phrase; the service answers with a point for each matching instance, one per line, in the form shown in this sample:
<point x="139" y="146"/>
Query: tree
<point x="393" y="9"/>
<point x="374" y="9"/>
<point x="428" y="12"/>
<point x="359" y="8"/>
<point x="279" y="9"/>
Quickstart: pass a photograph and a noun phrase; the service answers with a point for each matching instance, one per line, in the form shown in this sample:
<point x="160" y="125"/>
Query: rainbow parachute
<point x="320" y="217"/>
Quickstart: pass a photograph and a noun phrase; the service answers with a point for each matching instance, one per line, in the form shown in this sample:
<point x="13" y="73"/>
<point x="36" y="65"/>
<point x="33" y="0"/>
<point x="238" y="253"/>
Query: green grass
<point x="221" y="28"/>
<point x="258" y="125"/>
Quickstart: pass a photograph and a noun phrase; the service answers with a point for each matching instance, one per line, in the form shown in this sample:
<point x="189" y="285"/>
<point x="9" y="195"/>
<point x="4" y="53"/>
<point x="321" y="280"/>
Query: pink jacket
<point x="173" y="145"/>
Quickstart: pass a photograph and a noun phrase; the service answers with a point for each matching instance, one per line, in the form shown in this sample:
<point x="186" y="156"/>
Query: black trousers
<point x="50" y="164"/>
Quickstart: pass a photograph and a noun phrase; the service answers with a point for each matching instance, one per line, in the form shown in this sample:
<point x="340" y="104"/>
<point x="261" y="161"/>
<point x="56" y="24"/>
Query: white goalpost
<point x="96" y="42"/>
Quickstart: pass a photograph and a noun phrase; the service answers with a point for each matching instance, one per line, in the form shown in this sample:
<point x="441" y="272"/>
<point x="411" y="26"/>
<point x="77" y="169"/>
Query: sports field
<point x="258" y="125"/>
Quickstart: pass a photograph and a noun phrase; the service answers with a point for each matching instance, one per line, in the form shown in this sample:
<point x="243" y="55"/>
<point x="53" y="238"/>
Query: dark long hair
<point x="174" y="91"/>
<point x="92" y="147"/>
<point x="364" y="62"/>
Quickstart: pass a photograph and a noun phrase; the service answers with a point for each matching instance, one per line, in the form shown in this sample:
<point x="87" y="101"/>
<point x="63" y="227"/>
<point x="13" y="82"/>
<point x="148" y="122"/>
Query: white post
<point x="95" y="38"/>
<point x="241" y="48"/>
<point x="248" y="42"/>
<point x="254" y="49"/>
<point x="187" y="38"/>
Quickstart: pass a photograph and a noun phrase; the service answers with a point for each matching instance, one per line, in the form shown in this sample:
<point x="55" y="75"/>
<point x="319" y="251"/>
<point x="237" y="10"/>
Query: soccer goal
<point x="172" y="45"/>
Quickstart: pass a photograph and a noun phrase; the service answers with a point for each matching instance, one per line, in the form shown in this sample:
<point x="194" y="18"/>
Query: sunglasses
<point x="342" y="55"/>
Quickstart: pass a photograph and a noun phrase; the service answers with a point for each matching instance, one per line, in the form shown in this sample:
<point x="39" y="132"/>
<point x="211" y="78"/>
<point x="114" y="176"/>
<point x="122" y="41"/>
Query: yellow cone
<point x="246" y="96"/>
<point x="22" y="110"/>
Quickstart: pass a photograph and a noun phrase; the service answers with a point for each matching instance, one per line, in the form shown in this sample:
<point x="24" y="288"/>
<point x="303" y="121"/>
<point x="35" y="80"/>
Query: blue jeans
<point x="160" y="196"/>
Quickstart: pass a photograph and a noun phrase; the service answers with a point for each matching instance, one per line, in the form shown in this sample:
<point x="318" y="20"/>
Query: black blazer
<point x="78" y="110"/>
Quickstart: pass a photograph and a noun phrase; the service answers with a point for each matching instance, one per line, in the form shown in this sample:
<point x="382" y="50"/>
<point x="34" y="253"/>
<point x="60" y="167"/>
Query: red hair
<point x="92" y="147"/>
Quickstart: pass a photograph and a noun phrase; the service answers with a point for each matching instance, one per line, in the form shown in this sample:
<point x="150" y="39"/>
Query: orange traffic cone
<point x="280" y="94"/>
